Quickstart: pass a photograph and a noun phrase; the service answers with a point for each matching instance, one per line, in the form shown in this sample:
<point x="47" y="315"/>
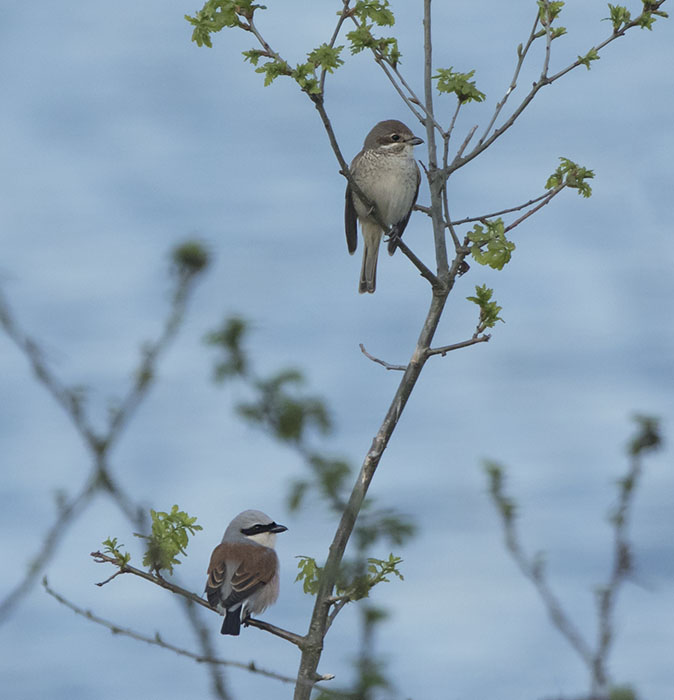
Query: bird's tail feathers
<point x="232" y="622"/>
<point x="368" y="271"/>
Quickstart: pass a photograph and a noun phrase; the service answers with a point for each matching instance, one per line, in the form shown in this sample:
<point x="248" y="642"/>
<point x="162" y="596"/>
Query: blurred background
<point x="121" y="139"/>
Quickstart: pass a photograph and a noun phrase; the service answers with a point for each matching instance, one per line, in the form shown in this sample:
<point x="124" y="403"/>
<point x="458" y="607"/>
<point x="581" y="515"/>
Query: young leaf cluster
<point x="370" y="13"/>
<point x="548" y="12"/>
<point x="352" y="586"/>
<point x="620" y="17"/>
<point x="218" y="14"/>
<point x="460" y="84"/>
<point x="113" y="549"/>
<point x="490" y="245"/>
<point x="190" y="258"/>
<point x="489" y="309"/>
<point x="570" y="174"/>
<point x="648" y="436"/>
<point x="169" y="537"/>
<point x="506" y="506"/>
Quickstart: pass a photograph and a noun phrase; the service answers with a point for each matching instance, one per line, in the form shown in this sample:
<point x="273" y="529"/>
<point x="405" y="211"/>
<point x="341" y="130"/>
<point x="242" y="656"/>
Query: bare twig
<point x="595" y="659"/>
<point x="457" y="346"/>
<point x="509" y="210"/>
<point x="546" y="200"/>
<point x="521" y="55"/>
<point x="158" y="641"/>
<point x="533" y="572"/>
<point x="99" y="445"/>
<point x="386" y="365"/>
<point x="343" y="15"/>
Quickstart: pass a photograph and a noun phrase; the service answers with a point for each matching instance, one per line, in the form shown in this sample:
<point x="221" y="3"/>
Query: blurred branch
<point x="188" y="261"/>
<point x="72" y="402"/>
<point x="158" y="641"/>
<point x="595" y="659"/>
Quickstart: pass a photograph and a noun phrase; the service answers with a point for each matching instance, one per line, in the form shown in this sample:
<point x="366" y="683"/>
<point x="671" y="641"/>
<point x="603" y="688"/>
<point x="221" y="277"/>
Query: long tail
<point x="368" y="271"/>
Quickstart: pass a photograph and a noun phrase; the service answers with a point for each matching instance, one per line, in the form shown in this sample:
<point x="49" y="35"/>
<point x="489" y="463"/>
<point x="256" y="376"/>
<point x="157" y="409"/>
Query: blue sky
<point x="122" y="138"/>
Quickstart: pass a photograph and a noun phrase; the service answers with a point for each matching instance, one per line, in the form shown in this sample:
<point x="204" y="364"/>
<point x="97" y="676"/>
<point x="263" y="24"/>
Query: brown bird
<point x="243" y="571"/>
<point x="388" y="175"/>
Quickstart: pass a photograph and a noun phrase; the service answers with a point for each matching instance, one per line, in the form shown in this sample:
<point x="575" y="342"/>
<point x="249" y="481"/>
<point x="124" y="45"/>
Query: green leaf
<point x="113" y="549"/>
<point x="570" y="174"/>
<point x="272" y="70"/>
<point x="253" y="56"/>
<point x="619" y="17"/>
<point x="326" y="57"/>
<point x="490" y="245"/>
<point x="548" y="11"/>
<point x="496" y="478"/>
<point x="169" y="538"/>
<point x="230" y="340"/>
<point x="190" y="258"/>
<point x="591" y="55"/>
<point x="648" y="436"/>
<point x="309" y="574"/>
<point x="218" y="14"/>
<point x="385" y="48"/>
<point x="458" y="83"/>
<point x="376" y="10"/>
<point x="489" y="309"/>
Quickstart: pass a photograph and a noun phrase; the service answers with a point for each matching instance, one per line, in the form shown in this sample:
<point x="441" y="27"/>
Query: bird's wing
<point x="397" y="230"/>
<point x="245" y="567"/>
<point x="350" y="221"/>
<point x="217" y="572"/>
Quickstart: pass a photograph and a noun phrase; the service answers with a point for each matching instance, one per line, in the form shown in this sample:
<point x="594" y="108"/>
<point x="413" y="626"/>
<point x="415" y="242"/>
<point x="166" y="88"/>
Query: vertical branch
<point x="436" y="179"/>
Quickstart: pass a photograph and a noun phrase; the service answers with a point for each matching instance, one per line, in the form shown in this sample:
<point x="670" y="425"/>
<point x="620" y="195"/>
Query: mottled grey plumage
<point x="243" y="571"/>
<point x="386" y="172"/>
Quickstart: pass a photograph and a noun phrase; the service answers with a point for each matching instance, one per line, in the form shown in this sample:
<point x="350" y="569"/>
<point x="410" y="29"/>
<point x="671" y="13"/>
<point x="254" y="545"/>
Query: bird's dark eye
<point x="395" y="137"/>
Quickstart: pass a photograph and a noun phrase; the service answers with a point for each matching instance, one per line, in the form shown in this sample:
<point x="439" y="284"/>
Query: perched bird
<point x="388" y="175"/>
<point x="243" y="571"/>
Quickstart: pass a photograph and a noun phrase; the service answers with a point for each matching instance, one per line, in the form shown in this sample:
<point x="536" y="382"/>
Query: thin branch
<point x="456" y="346"/>
<point x="101" y="558"/>
<point x="410" y="102"/>
<point x="459" y="161"/>
<point x="621" y="568"/>
<point x="158" y="641"/>
<point x="386" y="365"/>
<point x="521" y="55"/>
<point x="436" y="180"/>
<point x="416" y="100"/>
<point x="445" y="198"/>
<point x="423" y="270"/>
<point x="410" y="99"/>
<point x="343" y="15"/>
<point x="100" y="477"/>
<point x="145" y="373"/>
<point x="68" y="399"/>
<point x="553" y="193"/>
<point x="509" y="210"/>
<point x="51" y="539"/>
<point x="554" y="608"/>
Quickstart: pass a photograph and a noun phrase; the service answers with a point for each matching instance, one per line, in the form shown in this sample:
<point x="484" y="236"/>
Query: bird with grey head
<point x="243" y="574"/>
<point x="388" y="175"/>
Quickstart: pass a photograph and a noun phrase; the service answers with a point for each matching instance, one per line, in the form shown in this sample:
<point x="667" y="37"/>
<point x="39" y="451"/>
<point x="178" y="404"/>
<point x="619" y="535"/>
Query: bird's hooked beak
<point x="415" y="141"/>
<point x="275" y="527"/>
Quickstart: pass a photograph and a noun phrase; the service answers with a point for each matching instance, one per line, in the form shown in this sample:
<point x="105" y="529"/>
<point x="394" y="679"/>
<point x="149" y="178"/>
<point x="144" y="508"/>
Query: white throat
<point x="266" y="539"/>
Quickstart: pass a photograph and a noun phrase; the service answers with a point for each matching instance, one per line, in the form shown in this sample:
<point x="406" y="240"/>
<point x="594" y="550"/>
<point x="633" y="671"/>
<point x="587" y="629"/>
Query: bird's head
<point x="391" y="136"/>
